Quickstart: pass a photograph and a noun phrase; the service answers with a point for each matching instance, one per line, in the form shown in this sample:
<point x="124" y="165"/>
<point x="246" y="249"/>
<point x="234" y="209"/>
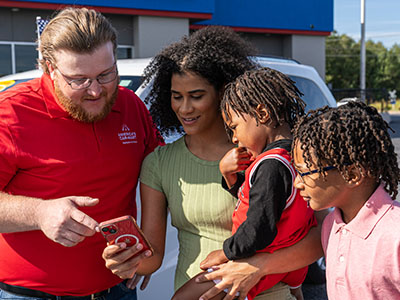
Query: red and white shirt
<point x="44" y="153"/>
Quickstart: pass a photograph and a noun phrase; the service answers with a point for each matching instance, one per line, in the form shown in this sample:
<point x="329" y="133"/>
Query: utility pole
<point x="362" y="53"/>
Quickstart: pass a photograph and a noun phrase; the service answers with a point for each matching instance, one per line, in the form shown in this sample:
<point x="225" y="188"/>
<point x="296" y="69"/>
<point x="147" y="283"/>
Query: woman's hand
<point x="241" y="275"/>
<point x="132" y="283"/>
<point x="214" y="258"/>
<point x="123" y="261"/>
<point x="236" y="276"/>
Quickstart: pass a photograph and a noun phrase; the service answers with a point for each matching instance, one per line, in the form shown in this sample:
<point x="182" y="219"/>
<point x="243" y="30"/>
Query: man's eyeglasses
<point x="84" y="83"/>
<point x="313" y="172"/>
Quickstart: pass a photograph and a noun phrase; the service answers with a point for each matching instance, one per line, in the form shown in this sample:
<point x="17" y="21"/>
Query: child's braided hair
<point x="276" y="91"/>
<point x="351" y="134"/>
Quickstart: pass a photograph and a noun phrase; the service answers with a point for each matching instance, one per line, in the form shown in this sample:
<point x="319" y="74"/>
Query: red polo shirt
<point x="45" y="153"/>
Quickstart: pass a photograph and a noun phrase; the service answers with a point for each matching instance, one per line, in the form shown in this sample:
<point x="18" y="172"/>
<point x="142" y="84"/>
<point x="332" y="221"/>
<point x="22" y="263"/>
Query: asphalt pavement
<point x="395" y="125"/>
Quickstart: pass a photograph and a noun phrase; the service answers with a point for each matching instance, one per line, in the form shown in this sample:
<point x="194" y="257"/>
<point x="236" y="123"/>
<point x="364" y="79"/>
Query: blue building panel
<point x="192" y="6"/>
<point x="305" y="15"/>
<point x="287" y="15"/>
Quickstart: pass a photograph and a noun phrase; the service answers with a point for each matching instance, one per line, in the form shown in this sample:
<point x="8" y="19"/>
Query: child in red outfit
<point x="259" y="109"/>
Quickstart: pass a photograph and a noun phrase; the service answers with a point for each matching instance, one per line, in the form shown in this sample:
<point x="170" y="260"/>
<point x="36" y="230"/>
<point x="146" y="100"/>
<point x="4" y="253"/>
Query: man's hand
<point x="236" y="276"/>
<point x="215" y="258"/>
<point x="63" y="222"/>
<point x="123" y="261"/>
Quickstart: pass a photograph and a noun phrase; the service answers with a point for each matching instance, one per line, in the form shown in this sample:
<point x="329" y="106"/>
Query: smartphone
<point x="124" y="229"/>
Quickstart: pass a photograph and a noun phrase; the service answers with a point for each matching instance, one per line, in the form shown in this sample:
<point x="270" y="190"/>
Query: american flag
<point x="41" y="24"/>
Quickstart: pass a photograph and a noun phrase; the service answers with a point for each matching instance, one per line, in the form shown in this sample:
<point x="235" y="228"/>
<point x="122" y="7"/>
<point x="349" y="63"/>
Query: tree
<point x="342" y="61"/>
<point x="343" y="64"/>
<point x="391" y="69"/>
<point x="375" y="64"/>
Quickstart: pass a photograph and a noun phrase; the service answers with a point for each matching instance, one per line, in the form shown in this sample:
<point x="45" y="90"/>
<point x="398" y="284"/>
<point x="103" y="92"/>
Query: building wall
<point x="266" y="43"/>
<point x="18" y="24"/>
<point x="143" y="36"/>
<point x="309" y="50"/>
<point x="154" y="33"/>
<point x="124" y="26"/>
<point x="145" y="27"/>
<point x="192" y="6"/>
<point x="311" y="16"/>
<point x="18" y="39"/>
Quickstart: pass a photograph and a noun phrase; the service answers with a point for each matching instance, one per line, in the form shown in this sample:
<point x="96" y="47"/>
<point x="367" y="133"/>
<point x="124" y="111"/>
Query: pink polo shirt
<point x="363" y="256"/>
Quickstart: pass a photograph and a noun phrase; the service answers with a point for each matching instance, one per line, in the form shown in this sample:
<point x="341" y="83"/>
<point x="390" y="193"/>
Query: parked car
<point x="344" y="101"/>
<point x="316" y="94"/>
<point x="130" y="73"/>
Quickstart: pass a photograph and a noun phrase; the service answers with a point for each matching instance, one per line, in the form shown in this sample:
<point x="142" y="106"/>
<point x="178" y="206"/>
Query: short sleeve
<point x="150" y="173"/>
<point x="153" y="136"/>
<point x="8" y="166"/>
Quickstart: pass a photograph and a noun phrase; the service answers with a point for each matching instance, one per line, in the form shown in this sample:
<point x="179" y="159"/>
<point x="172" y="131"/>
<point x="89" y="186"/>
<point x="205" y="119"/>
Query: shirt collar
<point x="369" y="215"/>
<point x="284" y="143"/>
<point x="54" y="108"/>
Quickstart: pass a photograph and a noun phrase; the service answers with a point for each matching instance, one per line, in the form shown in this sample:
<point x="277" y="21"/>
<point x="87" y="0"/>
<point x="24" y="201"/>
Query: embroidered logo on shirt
<point x="126" y="135"/>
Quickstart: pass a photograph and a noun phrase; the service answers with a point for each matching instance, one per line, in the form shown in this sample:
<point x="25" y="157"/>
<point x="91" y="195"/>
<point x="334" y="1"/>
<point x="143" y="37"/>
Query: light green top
<point x="200" y="208"/>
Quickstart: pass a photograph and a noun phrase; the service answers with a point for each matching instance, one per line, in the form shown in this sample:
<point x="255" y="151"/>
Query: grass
<point x="385" y="106"/>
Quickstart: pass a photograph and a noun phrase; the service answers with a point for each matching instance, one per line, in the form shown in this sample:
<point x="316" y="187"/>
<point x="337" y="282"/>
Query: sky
<point x="382" y="20"/>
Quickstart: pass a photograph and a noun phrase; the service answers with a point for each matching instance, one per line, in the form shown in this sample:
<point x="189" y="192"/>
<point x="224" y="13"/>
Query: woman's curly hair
<point x="351" y="134"/>
<point x="215" y="53"/>
<point x="271" y="88"/>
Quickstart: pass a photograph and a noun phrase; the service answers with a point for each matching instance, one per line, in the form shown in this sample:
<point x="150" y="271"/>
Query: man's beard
<point x="76" y="110"/>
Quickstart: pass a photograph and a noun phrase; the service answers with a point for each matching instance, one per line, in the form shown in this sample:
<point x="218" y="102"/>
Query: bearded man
<point x="71" y="146"/>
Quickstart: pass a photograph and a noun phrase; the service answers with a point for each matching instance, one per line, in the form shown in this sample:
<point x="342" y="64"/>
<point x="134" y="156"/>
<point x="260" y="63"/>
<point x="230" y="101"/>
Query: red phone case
<point x="124" y="229"/>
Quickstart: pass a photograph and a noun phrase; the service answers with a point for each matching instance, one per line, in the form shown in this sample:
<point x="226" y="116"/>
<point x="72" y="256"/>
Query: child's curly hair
<point x="215" y="53"/>
<point x="266" y="86"/>
<point x="351" y="134"/>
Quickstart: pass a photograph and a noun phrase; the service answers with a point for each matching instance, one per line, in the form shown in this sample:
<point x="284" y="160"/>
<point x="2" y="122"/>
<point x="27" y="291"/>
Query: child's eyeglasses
<point x="313" y="172"/>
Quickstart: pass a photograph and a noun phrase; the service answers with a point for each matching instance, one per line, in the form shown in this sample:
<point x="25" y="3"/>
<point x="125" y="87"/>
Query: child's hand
<point x="215" y="258"/>
<point x="235" y="160"/>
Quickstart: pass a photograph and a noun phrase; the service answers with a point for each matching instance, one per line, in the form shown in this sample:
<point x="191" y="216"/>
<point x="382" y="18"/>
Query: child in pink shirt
<point x="345" y="159"/>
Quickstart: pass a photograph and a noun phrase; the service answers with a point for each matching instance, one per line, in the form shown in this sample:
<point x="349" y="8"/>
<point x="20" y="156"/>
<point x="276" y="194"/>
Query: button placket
<point x="342" y="255"/>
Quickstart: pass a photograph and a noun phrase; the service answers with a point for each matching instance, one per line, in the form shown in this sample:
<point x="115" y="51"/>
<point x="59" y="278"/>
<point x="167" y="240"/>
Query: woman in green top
<point x="188" y="79"/>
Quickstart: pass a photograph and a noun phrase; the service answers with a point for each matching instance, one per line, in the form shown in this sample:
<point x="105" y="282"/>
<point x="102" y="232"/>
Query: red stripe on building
<point x="270" y="30"/>
<point x="109" y="10"/>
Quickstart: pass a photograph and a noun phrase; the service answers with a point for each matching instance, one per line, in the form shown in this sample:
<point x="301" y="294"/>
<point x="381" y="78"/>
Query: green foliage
<point x="391" y="70"/>
<point x="343" y="64"/>
<point x="342" y="61"/>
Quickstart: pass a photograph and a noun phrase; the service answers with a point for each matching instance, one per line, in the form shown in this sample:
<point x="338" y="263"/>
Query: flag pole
<point x="38" y="18"/>
<point x="362" y="55"/>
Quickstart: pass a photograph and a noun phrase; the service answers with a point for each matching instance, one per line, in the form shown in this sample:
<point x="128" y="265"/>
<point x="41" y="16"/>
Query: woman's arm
<point x="241" y="275"/>
<point x="154" y="226"/>
<point x="124" y="262"/>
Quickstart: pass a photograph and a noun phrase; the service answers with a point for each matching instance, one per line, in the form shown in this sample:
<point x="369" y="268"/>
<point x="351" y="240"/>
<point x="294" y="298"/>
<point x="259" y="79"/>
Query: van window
<point x="130" y="82"/>
<point x="313" y="95"/>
